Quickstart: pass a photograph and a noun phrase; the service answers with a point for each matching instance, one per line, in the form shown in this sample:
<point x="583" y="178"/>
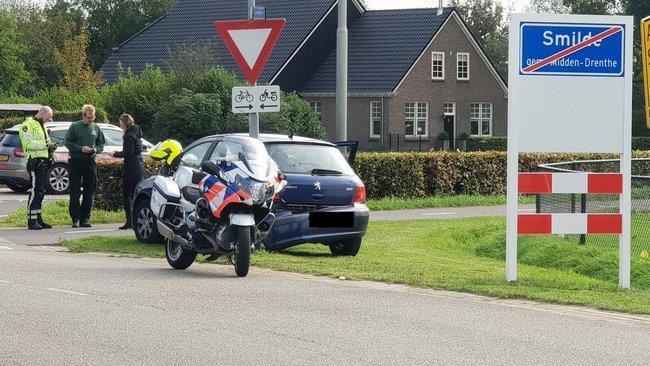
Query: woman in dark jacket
<point x="133" y="165"/>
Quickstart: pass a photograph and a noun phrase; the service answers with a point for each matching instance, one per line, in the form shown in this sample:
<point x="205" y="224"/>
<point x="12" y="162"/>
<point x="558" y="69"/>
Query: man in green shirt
<point x="84" y="140"/>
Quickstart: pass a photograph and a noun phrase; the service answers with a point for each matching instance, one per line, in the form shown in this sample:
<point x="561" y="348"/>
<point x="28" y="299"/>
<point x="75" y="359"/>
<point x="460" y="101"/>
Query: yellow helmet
<point x="167" y="150"/>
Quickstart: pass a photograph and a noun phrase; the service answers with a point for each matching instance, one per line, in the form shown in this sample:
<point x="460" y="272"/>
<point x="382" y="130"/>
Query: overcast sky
<point x="515" y="5"/>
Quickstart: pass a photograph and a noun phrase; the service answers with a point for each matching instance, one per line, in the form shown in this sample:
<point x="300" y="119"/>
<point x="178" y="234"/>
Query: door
<point x="449" y="128"/>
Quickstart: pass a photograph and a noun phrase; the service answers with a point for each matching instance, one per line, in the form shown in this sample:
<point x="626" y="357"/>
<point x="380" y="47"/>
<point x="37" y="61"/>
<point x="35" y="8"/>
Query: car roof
<point x="271" y="138"/>
<point x="59" y="125"/>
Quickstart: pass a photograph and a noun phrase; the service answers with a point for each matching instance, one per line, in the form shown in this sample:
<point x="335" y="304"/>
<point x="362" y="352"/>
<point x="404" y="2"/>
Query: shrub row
<point x="501" y="143"/>
<point x="402" y="175"/>
<point x="74" y="115"/>
<point x="407" y="175"/>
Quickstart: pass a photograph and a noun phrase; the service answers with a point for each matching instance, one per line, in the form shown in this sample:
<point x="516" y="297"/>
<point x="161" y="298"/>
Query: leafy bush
<point x="62" y="99"/>
<point x="108" y="195"/>
<point x="487" y="144"/>
<point x="187" y="117"/>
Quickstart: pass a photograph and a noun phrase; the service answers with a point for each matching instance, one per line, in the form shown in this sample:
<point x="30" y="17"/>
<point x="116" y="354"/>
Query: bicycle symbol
<point x="244" y="94"/>
<point x="266" y="95"/>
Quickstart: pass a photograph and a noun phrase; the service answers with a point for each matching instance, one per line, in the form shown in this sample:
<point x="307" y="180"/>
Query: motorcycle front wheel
<point x="177" y="257"/>
<point x="242" y="258"/>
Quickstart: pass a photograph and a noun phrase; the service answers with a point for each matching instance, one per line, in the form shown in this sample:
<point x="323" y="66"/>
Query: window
<point x="58" y="136"/>
<point x="449" y="108"/>
<point x="219" y="151"/>
<point x="302" y="159"/>
<point x="193" y="157"/>
<point x="438" y="66"/>
<point x="480" y="118"/>
<point x="375" y="119"/>
<point x="113" y="137"/>
<point x="416" y="116"/>
<point x="462" y="66"/>
<point x="316" y="107"/>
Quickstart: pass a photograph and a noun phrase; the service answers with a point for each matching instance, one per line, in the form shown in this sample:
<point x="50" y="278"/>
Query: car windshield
<point x="113" y="137"/>
<point x="10" y="139"/>
<point x="309" y="159"/>
<point x="251" y="152"/>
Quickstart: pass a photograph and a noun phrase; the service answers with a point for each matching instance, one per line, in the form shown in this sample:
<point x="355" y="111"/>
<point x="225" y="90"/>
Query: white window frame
<point x="317" y="107"/>
<point x="458" y="60"/>
<point x="480" y="119"/>
<point x="416" y="118"/>
<point x="373" y="104"/>
<point x="433" y="76"/>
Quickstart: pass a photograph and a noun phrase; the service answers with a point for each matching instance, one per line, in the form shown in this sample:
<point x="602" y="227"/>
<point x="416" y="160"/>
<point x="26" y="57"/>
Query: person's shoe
<point x="33" y="225"/>
<point x="75" y="223"/>
<point x="85" y="223"/>
<point x="43" y="224"/>
<point x="126" y="226"/>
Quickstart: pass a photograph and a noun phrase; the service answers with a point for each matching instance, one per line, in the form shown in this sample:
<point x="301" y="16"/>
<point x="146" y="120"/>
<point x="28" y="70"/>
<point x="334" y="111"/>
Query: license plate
<point x="4" y="157"/>
<point x="331" y="219"/>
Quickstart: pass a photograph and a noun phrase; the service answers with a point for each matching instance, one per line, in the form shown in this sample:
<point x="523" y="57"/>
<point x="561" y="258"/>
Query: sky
<point x="515" y="5"/>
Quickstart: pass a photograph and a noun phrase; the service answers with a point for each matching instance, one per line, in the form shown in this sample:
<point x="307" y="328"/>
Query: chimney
<point x="440" y="7"/>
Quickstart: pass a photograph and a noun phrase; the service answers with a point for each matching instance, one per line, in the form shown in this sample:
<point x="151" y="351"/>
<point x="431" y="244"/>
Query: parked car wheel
<point x="144" y="223"/>
<point x="58" y="179"/>
<point x="348" y="247"/>
<point x="18" y="189"/>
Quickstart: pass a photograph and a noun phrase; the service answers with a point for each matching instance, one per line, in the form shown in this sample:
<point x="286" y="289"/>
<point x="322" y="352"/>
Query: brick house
<point x="413" y="73"/>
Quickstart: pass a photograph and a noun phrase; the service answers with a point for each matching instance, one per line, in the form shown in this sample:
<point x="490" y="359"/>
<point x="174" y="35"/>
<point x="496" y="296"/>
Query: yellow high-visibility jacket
<point x="34" y="139"/>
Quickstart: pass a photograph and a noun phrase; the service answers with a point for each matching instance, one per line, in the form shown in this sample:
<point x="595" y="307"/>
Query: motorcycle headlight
<point x="258" y="191"/>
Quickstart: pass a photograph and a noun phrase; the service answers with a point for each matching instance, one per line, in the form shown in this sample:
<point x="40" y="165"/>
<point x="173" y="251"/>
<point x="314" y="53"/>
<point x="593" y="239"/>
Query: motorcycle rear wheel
<point x="242" y="258"/>
<point x="177" y="256"/>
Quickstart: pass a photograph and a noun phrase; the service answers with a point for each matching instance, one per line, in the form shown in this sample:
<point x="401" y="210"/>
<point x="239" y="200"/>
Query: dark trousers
<point x="37" y="169"/>
<point x="82" y="174"/>
<point x="127" y="197"/>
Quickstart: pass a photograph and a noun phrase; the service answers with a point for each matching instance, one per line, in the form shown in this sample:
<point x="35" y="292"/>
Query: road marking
<point x="90" y="231"/>
<point x="5" y="248"/>
<point x="67" y="292"/>
<point x="438" y="213"/>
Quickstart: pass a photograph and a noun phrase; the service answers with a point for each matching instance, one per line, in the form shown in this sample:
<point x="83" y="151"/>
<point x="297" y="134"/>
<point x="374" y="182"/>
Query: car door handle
<point x="317" y="196"/>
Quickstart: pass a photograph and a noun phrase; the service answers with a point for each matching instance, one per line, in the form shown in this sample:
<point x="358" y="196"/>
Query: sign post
<point x="250" y="42"/>
<point x="570" y="91"/>
<point x="645" y="51"/>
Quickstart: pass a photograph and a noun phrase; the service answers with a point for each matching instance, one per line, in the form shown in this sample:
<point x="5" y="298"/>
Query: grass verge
<point x="392" y="203"/>
<point x="459" y="255"/>
<point x="56" y="214"/>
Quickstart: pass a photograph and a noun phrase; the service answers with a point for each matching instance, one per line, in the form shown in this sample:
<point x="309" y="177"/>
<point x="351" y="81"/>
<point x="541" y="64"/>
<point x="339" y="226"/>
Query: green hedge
<point x="75" y="115"/>
<point x="487" y="144"/>
<point x="407" y="175"/>
<point x="402" y="175"/>
<point x="501" y="143"/>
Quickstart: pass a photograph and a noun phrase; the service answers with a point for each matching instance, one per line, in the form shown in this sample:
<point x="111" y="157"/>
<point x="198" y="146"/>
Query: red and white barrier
<point x="571" y="223"/>
<point x="592" y="183"/>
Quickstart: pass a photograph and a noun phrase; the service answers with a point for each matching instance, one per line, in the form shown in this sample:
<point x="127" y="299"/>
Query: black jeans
<point x="82" y="172"/>
<point x="127" y="196"/>
<point x="37" y="169"/>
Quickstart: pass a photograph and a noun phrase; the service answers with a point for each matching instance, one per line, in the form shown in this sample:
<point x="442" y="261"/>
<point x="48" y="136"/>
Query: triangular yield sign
<point x="250" y="42"/>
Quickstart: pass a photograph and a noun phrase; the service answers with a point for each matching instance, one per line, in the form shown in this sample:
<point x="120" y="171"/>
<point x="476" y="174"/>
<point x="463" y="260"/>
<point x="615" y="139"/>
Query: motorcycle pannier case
<point x="165" y="190"/>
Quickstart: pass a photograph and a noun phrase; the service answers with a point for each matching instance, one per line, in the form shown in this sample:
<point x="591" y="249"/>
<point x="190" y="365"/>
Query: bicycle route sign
<point x="256" y="99"/>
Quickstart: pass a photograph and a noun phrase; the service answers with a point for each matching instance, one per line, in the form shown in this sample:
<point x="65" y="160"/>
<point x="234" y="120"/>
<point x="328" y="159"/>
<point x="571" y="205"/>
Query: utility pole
<point x="253" y="118"/>
<point x="342" y="72"/>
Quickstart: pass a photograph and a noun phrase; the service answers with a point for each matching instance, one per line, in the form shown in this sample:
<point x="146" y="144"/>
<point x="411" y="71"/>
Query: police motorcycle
<point x="222" y="209"/>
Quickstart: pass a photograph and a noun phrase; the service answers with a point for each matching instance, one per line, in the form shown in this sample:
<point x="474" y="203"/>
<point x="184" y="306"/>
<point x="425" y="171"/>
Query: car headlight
<point x="258" y="191"/>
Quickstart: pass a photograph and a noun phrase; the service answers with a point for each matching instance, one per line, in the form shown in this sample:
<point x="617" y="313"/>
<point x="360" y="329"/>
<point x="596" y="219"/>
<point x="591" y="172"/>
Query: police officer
<point x="38" y="150"/>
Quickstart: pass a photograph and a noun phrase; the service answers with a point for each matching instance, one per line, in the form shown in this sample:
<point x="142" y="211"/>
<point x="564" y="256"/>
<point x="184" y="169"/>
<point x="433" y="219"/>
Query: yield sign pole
<point x="250" y="42"/>
<point x="253" y="118"/>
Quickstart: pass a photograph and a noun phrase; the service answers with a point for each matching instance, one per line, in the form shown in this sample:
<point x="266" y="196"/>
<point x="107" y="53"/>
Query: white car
<point x="12" y="163"/>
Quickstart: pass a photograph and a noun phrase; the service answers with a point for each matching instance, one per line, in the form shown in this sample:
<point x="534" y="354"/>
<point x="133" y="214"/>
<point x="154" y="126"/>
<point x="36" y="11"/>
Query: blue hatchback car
<point x="323" y="202"/>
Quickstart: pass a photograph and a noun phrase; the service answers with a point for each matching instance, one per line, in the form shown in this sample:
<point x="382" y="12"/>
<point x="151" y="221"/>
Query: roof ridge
<point x="404" y="9"/>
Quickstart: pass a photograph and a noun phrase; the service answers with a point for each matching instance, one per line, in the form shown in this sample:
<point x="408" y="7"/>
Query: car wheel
<point x="348" y="247"/>
<point x="18" y="189"/>
<point x="144" y="223"/>
<point x="58" y="179"/>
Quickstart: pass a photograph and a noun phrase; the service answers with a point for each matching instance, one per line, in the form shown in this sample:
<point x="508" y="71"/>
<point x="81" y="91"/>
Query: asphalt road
<point x="76" y="309"/>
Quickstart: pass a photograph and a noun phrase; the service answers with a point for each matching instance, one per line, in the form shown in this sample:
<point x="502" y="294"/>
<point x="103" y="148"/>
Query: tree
<point x="112" y="22"/>
<point x="13" y="75"/>
<point x="77" y="74"/>
<point x="486" y="20"/>
<point x="192" y="58"/>
<point x="597" y="7"/>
